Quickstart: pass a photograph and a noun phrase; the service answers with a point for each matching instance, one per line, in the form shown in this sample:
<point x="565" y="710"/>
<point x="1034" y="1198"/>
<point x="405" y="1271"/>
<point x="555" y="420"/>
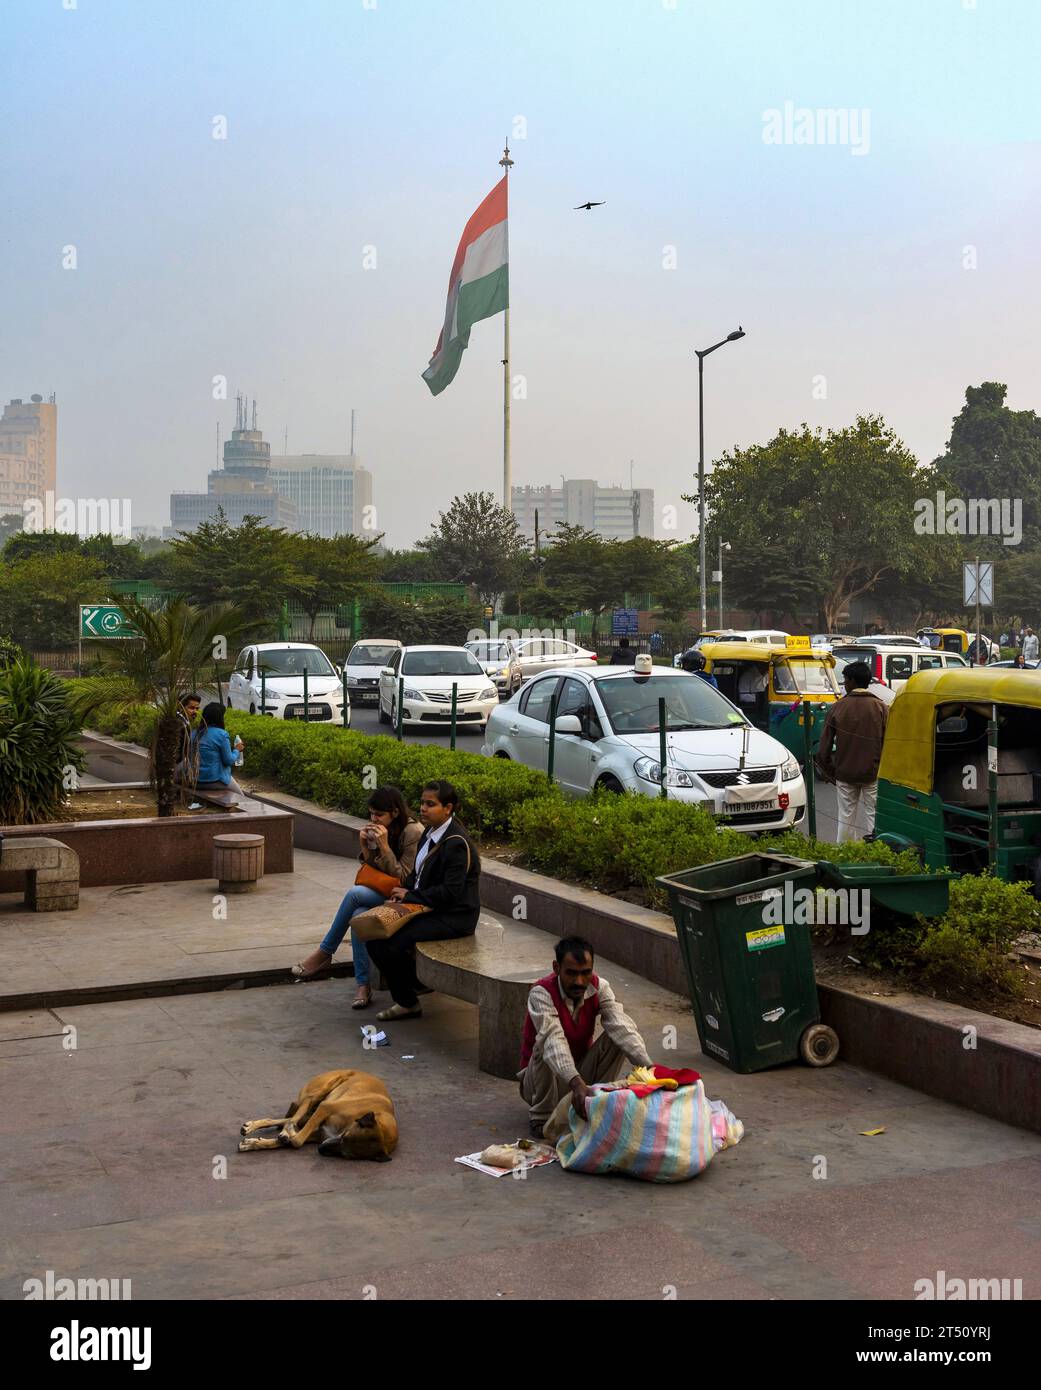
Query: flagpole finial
<point x="506" y="161"/>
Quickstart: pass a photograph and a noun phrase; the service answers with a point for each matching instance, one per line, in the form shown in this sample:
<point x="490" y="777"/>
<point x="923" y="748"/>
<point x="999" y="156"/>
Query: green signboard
<point x="104" y="620"/>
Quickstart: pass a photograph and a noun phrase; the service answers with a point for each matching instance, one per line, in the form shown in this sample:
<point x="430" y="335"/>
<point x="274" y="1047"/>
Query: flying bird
<point x="587" y="206"/>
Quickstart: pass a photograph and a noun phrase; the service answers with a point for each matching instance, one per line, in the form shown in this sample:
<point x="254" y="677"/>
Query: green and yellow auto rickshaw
<point x="960" y="777"/>
<point x="770" y="684"/>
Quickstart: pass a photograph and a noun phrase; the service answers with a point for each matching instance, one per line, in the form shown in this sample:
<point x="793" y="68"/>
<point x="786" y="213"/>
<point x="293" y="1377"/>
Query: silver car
<point x="538" y="654"/>
<point x="498" y="657"/>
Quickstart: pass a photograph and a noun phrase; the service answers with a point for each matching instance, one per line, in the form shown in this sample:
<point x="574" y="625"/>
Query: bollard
<point x="552" y="736"/>
<point x="401" y="700"/>
<point x="346" y="700"/>
<point x="807" y="738"/>
<point x="307" y="716"/>
<point x="992" y="790"/>
<point x="263" y="690"/>
<point x="455" y="688"/>
<point x="663" y="751"/>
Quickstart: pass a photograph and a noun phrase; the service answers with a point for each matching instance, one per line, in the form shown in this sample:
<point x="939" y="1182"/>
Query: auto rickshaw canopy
<point x="964" y="639"/>
<point x="908" y="753"/>
<point x="762" y="652"/>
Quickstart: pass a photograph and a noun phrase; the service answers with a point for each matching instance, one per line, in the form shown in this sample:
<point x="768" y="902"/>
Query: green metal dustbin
<point x="904" y="894"/>
<point x="749" y="966"/>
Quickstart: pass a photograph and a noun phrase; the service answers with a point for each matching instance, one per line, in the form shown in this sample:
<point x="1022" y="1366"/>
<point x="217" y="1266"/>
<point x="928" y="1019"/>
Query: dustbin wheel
<point x="819" y="1045"/>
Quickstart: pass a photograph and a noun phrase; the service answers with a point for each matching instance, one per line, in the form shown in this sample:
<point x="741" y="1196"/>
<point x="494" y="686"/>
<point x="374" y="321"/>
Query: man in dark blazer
<point x="446" y="880"/>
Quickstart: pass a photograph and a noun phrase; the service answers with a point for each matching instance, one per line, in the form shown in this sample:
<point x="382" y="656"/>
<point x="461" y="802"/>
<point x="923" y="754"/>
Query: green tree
<point x="583" y="573"/>
<point x="327" y="572"/>
<point x="40" y="597"/>
<point x="177" y="641"/>
<point x="248" y="566"/>
<point x="415" y="622"/>
<point x="842" y="503"/>
<point x="410" y="566"/>
<point x="478" y="542"/>
<point x="996" y="452"/>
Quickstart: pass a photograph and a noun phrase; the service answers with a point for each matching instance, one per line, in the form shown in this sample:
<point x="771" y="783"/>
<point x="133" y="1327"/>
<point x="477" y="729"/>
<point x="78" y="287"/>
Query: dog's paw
<point x="247" y="1145"/>
<point x="246" y="1127"/>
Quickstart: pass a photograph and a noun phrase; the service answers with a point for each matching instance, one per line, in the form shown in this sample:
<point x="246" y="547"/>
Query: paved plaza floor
<point x="118" y="1155"/>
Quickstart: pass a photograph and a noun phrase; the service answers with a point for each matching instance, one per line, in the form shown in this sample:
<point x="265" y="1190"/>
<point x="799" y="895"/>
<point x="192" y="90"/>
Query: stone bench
<point x="238" y="862"/>
<point x="52" y="871"/>
<point x="494" y="969"/>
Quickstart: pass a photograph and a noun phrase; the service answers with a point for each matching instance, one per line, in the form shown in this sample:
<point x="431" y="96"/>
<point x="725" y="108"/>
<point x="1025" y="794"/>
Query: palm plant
<point x="39" y="747"/>
<point x="176" y="642"/>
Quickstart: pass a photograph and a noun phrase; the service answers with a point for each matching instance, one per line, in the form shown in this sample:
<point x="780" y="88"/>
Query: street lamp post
<point x="702" y="353"/>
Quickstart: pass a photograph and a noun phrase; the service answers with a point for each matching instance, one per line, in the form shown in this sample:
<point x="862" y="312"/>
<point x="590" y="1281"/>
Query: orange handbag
<point x="377" y="880"/>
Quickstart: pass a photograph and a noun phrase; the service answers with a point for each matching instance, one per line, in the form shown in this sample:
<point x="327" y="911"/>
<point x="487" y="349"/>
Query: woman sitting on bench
<point x="212" y="746"/>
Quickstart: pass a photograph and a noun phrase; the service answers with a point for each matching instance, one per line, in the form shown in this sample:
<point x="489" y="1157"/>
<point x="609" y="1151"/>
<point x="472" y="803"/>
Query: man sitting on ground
<point x="558" y="1051"/>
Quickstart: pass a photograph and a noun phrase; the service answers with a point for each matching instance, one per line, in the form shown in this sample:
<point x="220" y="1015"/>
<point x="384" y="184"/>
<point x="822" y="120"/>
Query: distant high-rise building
<point x="331" y="492"/>
<point x="324" y="494"/>
<point x="241" y="488"/>
<point x="616" y="513"/>
<point x="28" y="452"/>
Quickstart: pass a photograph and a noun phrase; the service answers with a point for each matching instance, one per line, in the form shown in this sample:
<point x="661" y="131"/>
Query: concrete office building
<point x="241" y="488"/>
<point x="331" y="492"/>
<point x="28" y="453"/>
<point x="616" y="513"/>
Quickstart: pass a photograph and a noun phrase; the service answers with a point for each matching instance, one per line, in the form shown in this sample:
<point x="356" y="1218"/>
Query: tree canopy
<point x="478" y="542"/>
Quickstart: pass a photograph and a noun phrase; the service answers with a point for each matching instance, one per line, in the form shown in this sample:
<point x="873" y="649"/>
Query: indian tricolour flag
<point x="478" y="287"/>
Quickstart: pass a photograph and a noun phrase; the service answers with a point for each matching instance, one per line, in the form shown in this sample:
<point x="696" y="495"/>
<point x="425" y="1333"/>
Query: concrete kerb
<point x="972" y="1059"/>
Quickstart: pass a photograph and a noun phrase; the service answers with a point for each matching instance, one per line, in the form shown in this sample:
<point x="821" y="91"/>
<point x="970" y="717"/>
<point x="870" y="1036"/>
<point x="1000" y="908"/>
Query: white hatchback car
<point x="281" y="692"/>
<point x="362" y="668"/>
<point x="424" y="676"/>
<point x="607" y="738"/>
<point x="538" y="654"/>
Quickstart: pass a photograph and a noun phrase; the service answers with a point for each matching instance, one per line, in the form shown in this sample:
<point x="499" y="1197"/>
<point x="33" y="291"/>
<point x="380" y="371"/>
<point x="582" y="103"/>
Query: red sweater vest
<point x="578" y="1031"/>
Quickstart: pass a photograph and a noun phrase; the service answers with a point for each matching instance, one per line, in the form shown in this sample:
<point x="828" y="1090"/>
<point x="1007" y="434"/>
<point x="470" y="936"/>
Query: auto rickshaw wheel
<point x="819" y="1045"/>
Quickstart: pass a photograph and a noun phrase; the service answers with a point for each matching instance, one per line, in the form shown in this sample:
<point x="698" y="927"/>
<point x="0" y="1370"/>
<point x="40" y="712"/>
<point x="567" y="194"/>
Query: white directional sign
<point x="104" y="620"/>
<point x="978" y="588"/>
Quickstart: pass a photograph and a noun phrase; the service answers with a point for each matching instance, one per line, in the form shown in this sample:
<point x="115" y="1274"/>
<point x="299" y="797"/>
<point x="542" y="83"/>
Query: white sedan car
<point x="607" y="738"/>
<point x="423" y="678"/>
<point x="362" y="668"/>
<point x="280" y="693"/>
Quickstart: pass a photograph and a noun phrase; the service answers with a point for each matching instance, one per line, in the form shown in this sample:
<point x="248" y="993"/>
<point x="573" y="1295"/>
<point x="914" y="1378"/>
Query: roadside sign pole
<point x="978" y="642"/>
<point x="662" y="747"/>
<point x="401" y="700"/>
<point x="307" y="708"/>
<point x="552" y="736"/>
<point x="346" y="700"/>
<point x="220" y="688"/>
<point x="992" y="790"/>
<point x="455" y="689"/>
<point x="263" y="690"/>
<point x="807" y="737"/>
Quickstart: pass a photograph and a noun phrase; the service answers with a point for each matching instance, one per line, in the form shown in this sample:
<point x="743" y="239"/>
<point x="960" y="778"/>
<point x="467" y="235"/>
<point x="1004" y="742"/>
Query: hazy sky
<point x="354" y="124"/>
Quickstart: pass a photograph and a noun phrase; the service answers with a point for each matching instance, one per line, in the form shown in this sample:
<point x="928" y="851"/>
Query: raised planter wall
<point x="154" y="850"/>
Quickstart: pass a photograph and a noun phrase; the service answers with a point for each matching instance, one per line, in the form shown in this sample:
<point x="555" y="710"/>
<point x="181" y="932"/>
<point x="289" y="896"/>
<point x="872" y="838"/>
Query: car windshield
<point x="442" y="663"/>
<point x="805" y="676"/>
<point x="631" y="703"/>
<point x="489" y="651"/>
<point x="370" y="654"/>
<point x="294" y="661"/>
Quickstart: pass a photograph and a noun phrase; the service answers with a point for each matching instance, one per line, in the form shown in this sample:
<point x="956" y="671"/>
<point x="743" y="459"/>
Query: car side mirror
<point x="387" y="671"/>
<point x="568" y="724"/>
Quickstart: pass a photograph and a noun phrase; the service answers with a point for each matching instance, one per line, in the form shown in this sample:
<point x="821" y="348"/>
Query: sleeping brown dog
<point x="349" y="1114"/>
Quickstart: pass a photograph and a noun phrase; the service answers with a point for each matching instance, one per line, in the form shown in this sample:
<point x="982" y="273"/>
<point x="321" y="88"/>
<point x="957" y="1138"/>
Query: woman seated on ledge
<point x="388" y="843"/>
<point x="212" y="746"/>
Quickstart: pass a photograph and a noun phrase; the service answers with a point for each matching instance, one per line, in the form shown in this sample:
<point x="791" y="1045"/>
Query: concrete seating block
<point x="494" y="969"/>
<point x="52" y="872"/>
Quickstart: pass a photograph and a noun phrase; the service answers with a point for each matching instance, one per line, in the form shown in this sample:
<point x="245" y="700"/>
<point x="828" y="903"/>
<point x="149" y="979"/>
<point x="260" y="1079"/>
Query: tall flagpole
<point x="507" y="480"/>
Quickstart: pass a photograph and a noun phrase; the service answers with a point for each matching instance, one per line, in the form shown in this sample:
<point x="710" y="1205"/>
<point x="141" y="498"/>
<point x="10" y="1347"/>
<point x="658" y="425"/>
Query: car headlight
<point x="409" y="694"/>
<point x="789" y="770"/>
<point x="352" y="680"/>
<point x="489" y="693"/>
<point x="650" y="771"/>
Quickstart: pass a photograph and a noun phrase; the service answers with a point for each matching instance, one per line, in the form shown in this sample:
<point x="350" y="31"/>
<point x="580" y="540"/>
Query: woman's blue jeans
<point x="356" y="899"/>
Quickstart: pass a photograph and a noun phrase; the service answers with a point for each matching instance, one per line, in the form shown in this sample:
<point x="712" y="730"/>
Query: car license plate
<point x="745" y="806"/>
<point x="314" y="709"/>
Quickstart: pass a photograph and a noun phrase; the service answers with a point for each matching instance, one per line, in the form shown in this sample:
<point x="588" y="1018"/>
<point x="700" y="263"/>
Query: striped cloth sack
<point x="665" y="1137"/>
